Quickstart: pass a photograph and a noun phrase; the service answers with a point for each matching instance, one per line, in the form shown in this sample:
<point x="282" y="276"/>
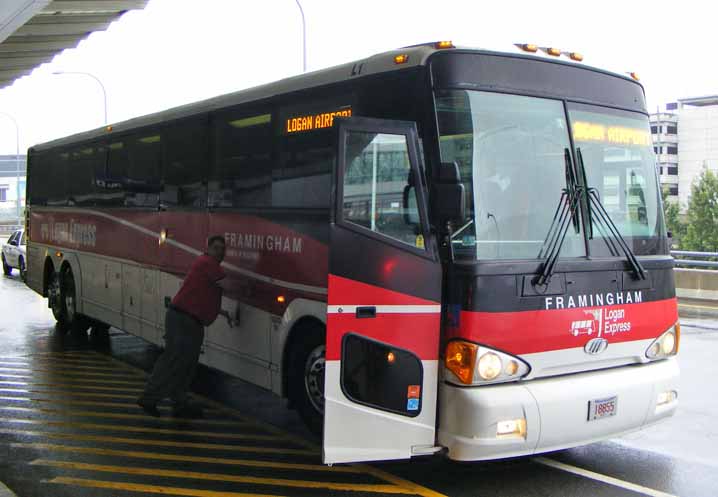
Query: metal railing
<point x="7" y="229"/>
<point x="687" y="258"/>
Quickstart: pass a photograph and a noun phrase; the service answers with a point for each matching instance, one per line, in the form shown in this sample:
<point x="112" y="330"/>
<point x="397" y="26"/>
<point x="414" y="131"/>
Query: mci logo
<point x="595" y="346"/>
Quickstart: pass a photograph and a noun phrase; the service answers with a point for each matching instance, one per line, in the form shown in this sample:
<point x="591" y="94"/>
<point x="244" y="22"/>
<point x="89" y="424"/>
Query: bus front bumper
<point x="555" y="411"/>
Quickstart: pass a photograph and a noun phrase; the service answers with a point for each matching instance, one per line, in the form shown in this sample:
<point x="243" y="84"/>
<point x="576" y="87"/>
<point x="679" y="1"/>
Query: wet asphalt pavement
<point x="69" y="427"/>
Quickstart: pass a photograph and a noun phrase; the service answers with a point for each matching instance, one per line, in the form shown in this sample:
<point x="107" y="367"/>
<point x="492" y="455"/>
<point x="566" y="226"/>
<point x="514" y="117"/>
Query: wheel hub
<point x="314" y="377"/>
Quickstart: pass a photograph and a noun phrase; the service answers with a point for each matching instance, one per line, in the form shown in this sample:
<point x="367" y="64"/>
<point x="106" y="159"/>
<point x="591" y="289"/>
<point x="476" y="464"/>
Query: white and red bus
<point x="432" y="250"/>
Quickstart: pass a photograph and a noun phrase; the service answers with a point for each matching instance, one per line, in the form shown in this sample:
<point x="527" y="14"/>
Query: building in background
<point x="664" y="130"/>
<point x="12" y="187"/>
<point x="685" y="139"/>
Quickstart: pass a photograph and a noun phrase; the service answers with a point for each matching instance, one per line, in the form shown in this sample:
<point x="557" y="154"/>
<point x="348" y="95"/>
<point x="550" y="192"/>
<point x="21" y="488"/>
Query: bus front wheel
<point x="306" y="376"/>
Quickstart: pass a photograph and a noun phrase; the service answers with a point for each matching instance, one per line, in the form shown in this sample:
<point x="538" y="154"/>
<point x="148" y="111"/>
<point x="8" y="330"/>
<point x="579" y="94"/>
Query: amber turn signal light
<point x="444" y="44"/>
<point x="460" y="359"/>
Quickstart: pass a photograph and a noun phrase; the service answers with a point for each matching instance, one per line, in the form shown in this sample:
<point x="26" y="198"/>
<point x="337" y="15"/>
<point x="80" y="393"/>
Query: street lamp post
<point x="104" y="93"/>
<point x="304" y="38"/>
<point x="17" y="164"/>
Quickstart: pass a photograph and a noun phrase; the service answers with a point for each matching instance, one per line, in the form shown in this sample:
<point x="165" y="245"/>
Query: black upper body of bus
<point x="529" y="136"/>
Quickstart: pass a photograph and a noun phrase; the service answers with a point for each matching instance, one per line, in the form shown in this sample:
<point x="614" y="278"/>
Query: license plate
<point x="602" y="408"/>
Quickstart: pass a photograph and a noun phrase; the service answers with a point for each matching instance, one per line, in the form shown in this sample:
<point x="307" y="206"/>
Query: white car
<point x="14" y="254"/>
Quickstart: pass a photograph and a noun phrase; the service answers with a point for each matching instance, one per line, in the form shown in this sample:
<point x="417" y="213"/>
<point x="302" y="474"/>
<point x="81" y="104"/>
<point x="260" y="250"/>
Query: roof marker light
<point x="527" y="47"/>
<point x="634" y="76"/>
<point x="444" y="44"/>
<point x="552" y="51"/>
<point x="575" y="56"/>
<point x="401" y="59"/>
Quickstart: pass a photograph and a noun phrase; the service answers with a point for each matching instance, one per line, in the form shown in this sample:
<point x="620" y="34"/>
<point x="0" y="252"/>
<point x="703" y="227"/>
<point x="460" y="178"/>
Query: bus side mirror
<point x="448" y="194"/>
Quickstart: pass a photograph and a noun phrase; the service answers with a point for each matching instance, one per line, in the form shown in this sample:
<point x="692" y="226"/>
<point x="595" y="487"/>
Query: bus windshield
<point x="618" y="156"/>
<point x="511" y="152"/>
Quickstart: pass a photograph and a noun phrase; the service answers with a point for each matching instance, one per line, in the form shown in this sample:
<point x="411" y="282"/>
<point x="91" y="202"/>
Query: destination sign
<point x="312" y="122"/>
<point x="619" y="135"/>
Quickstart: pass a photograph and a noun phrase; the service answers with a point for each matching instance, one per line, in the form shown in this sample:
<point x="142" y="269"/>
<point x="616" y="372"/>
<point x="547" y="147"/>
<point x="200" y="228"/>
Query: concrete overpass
<point x="32" y="32"/>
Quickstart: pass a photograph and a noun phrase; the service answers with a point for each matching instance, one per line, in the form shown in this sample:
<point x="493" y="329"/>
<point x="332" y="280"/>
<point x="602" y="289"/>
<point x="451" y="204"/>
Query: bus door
<point x="383" y="305"/>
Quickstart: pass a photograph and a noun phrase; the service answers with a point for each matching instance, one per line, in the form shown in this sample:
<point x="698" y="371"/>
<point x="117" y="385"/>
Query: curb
<point x="6" y="492"/>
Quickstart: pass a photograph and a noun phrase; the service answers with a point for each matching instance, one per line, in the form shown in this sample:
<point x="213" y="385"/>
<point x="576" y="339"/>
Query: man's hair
<point x="215" y="238"/>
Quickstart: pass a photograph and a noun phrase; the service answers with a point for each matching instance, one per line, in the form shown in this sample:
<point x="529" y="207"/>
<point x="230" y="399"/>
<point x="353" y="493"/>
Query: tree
<point x="702" y="229"/>
<point x="672" y="215"/>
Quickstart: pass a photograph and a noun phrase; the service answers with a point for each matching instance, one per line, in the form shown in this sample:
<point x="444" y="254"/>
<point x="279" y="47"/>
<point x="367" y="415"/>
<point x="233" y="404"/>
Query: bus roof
<point x="417" y="55"/>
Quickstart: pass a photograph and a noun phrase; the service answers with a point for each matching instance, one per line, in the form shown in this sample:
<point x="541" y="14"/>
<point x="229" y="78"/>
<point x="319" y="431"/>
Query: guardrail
<point x="693" y="259"/>
<point x="9" y="228"/>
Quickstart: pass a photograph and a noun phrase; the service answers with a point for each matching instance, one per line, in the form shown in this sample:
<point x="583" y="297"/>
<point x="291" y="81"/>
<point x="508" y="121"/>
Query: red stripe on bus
<point x="253" y="243"/>
<point x="417" y="333"/>
<point x="344" y="291"/>
<point x="530" y="332"/>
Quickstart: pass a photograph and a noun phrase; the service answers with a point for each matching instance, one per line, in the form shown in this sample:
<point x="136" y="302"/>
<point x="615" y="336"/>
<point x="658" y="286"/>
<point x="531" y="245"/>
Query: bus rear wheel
<point x="74" y="321"/>
<point x="55" y="302"/>
<point x="306" y="376"/>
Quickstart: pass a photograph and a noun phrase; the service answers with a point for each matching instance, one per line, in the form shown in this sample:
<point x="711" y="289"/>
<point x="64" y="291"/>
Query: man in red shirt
<point x="196" y="305"/>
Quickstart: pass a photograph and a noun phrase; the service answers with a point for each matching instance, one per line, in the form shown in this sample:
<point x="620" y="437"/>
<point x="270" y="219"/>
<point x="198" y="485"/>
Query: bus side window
<point x="112" y="184"/>
<point x="242" y="173"/>
<point x="377" y="173"/>
<point x="304" y="177"/>
<point x="38" y="182"/>
<point x="144" y="170"/>
<point x="54" y="172"/>
<point x="186" y="166"/>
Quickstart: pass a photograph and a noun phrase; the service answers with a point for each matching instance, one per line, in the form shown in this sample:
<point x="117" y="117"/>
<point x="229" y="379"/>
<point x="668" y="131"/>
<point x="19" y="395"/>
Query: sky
<point x="179" y="51"/>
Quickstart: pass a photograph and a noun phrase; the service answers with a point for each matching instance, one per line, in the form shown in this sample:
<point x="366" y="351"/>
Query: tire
<point x="74" y="321"/>
<point x="5" y="268"/>
<point x="22" y="268"/>
<point x="306" y="376"/>
<point x="56" y="303"/>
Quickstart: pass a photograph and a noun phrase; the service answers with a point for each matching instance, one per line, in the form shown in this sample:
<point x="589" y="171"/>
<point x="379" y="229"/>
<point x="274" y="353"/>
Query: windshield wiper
<point x="593" y="201"/>
<point x="565" y="215"/>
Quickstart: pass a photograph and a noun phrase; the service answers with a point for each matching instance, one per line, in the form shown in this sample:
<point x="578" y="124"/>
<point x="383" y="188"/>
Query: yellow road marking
<point x="414" y="487"/>
<point x="158" y="456"/>
<point x="70" y="393"/>
<point x="694" y="306"/>
<point x="62" y="371"/>
<point x="56" y="366"/>
<point x="123" y="405"/>
<point x="73" y="353"/>
<point x="71" y="385"/>
<point x="116" y="415"/>
<point x="158" y="443"/>
<point x="54" y="360"/>
<point x="75" y="378"/>
<point x="152" y="489"/>
<point x="281" y="482"/>
<point x="141" y="429"/>
<point x="409" y="486"/>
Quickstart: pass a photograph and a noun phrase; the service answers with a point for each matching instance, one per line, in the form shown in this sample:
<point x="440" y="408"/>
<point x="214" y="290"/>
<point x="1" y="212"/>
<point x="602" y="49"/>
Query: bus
<point x="433" y="250"/>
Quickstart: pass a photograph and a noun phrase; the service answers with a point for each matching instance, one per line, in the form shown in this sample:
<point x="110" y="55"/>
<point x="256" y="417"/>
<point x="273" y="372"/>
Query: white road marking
<point x="602" y="478"/>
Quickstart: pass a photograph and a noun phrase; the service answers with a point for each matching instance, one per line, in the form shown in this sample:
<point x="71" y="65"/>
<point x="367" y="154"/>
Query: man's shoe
<point x="148" y="407"/>
<point x="191" y="411"/>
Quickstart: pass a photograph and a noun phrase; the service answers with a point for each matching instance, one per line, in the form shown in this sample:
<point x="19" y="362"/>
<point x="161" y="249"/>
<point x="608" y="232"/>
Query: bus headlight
<point x="489" y="366"/>
<point x="469" y="363"/>
<point x="665" y="345"/>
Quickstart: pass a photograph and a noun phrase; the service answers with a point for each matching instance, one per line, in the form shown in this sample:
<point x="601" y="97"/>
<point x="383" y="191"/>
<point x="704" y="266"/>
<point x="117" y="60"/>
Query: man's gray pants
<point x="175" y="368"/>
